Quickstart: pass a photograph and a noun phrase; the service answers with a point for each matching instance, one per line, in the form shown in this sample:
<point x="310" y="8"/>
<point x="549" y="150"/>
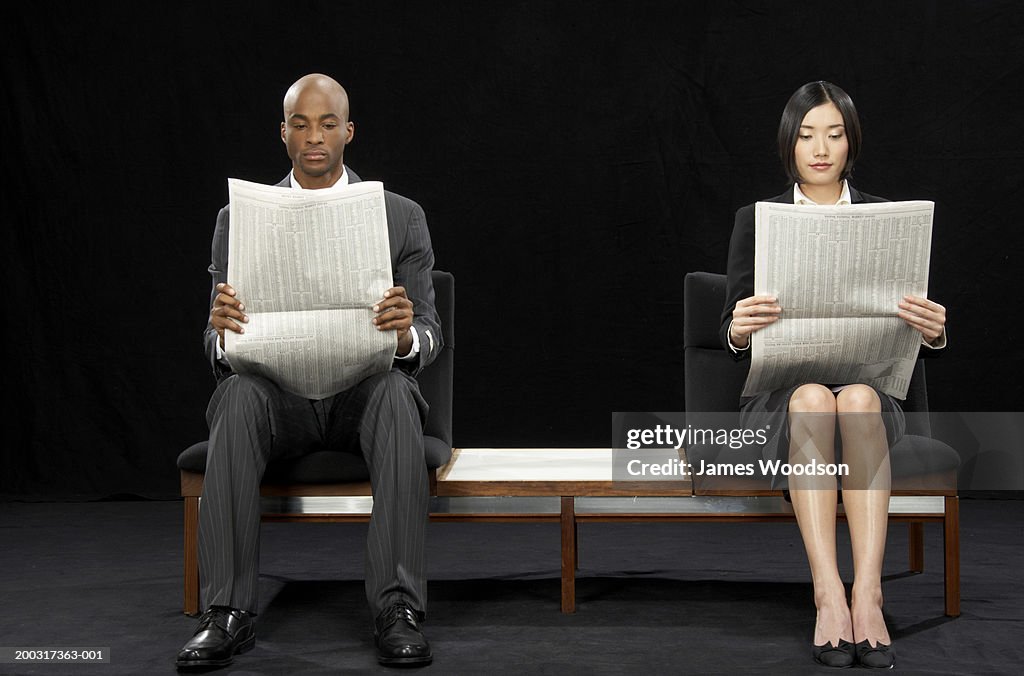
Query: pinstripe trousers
<point x="252" y="421"/>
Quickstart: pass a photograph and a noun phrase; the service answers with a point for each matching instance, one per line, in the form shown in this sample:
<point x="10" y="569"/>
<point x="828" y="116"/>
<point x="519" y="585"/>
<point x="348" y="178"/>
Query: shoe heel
<point x="246" y="645"/>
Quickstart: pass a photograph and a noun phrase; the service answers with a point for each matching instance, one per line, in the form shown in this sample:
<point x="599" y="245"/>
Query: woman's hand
<point x="750" y="315"/>
<point x="925" y="315"/>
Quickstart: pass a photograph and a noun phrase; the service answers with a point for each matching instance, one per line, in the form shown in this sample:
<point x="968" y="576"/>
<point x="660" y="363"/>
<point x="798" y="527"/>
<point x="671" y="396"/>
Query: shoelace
<point x="399" y="611"/>
<point x="218" y="617"/>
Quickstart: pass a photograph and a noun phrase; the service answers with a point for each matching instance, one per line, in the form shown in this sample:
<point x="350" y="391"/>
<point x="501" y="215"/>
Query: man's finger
<point x="222" y="300"/>
<point x="227" y="311"/>
<point x="394" y="318"/>
<point x="223" y="323"/>
<point x="400" y="302"/>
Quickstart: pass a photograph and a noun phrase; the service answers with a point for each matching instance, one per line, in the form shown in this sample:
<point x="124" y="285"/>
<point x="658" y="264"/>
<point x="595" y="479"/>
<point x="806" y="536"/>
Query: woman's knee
<point x="812" y="398"/>
<point x="858" y="399"/>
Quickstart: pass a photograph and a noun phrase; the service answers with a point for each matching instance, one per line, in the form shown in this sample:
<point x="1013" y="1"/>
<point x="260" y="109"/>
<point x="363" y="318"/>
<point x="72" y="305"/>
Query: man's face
<point x="316" y="130"/>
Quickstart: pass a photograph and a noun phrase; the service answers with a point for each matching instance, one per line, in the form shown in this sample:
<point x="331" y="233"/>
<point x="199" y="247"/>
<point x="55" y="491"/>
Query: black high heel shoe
<point x="882" y="656"/>
<point x="840" y="657"/>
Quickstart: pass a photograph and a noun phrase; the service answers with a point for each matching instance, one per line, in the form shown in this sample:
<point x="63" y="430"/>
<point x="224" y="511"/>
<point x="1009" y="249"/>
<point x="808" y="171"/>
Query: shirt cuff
<point x="219" y="353"/>
<point x="940" y="342"/>
<point x="728" y="338"/>
<point x="415" y="350"/>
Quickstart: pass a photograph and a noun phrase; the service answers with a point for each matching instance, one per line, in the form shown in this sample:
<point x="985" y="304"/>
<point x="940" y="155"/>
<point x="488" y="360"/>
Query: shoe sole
<point x="243" y="647"/>
<point x="835" y="666"/>
<point x="405" y="661"/>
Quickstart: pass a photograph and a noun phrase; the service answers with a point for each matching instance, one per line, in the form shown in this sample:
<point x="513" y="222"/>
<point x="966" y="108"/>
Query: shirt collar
<point x="340" y="183"/>
<point x="800" y="198"/>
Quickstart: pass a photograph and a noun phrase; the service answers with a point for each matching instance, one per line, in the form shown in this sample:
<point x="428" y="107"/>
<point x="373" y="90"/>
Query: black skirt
<point x="770" y="411"/>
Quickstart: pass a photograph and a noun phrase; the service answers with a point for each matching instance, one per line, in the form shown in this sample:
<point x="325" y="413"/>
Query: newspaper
<point x="839" y="273"/>
<point x="309" y="265"/>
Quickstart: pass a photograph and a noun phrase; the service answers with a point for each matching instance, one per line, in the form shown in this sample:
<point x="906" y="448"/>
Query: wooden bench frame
<point x="569" y="516"/>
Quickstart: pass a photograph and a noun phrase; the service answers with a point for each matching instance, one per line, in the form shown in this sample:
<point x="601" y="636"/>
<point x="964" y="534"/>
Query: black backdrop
<point x="575" y="160"/>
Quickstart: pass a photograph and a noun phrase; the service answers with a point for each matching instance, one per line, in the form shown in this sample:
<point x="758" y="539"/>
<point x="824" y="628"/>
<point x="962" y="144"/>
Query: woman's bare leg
<point x="812" y="411"/>
<point x="866" y="500"/>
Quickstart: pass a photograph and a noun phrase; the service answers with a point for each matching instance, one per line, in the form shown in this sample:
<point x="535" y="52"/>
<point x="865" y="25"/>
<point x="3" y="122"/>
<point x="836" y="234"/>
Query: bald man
<point x="253" y="421"/>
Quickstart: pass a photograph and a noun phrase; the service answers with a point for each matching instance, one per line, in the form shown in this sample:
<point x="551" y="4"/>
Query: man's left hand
<point x="394" y="313"/>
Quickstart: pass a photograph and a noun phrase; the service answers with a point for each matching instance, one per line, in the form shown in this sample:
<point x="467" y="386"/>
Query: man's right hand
<point x="227" y="312"/>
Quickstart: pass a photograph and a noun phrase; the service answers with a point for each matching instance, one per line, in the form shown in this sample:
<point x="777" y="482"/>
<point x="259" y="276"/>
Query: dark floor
<point x="652" y="598"/>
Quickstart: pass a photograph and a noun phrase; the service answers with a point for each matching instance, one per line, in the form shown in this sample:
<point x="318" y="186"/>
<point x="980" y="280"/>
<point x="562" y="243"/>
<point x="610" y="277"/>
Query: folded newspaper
<point x="839" y="273"/>
<point x="309" y="265"/>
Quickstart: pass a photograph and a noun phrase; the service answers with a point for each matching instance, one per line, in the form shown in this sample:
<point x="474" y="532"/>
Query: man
<point x="253" y="421"/>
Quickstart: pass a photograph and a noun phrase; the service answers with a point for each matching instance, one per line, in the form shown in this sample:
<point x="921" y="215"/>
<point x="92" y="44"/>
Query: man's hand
<point x="750" y="315"/>
<point x="394" y="313"/>
<point x="925" y="315"/>
<point x="227" y="311"/>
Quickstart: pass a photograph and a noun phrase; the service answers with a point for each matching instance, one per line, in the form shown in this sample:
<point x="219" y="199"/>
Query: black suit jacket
<point x="412" y="259"/>
<point x="740" y="270"/>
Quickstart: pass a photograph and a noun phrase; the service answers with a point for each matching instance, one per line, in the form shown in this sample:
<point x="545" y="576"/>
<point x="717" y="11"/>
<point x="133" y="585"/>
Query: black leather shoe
<point x="839" y="657"/>
<point x="398" y="637"/>
<point x="882" y="656"/>
<point x="222" y="633"/>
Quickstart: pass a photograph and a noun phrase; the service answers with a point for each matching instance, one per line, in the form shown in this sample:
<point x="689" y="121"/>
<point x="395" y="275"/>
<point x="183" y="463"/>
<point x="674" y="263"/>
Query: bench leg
<point x="576" y="538"/>
<point x="916" y="546"/>
<point x="191" y="550"/>
<point x="568" y="519"/>
<point x="951" y="543"/>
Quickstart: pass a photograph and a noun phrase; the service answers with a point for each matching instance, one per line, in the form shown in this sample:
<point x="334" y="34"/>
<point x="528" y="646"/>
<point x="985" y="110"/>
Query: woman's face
<point x="821" y="146"/>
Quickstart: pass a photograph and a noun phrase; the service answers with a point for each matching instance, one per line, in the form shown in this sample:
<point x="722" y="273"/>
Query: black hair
<point x="812" y="95"/>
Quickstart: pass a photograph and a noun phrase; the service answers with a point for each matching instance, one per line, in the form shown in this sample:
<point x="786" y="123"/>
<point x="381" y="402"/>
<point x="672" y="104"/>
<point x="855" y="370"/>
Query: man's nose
<point x="315" y="136"/>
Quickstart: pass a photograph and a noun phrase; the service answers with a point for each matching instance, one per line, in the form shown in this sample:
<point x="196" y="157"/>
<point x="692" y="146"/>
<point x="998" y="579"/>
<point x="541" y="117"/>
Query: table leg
<point x="568" y="519"/>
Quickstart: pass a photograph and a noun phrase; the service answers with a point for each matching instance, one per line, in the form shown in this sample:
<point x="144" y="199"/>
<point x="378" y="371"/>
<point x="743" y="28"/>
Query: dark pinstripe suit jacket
<point x="740" y="269"/>
<point x="412" y="260"/>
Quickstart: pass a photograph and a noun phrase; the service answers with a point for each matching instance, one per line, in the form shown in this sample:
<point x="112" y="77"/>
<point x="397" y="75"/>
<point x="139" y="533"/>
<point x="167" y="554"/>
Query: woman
<point x="819" y="139"/>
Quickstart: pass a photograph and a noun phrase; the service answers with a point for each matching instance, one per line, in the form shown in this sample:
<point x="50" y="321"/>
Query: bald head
<point x="324" y="85"/>
<point x="316" y="130"/>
